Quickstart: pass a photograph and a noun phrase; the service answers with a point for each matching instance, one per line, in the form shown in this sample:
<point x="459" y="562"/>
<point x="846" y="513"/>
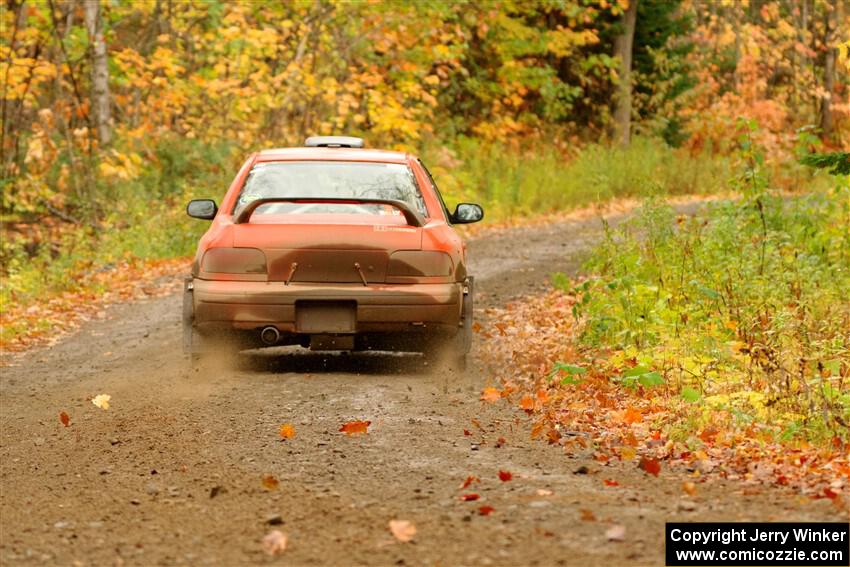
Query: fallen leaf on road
<point x="609" y="482"/>
<point x="628" y="453"/>
<point x="616" y="533"/>
<point x="402" y="530"/>
<point x="64" y="418"/>
<point x="491" y="395"/>
<point x="689" y="487"/>
<point x="470" y="497"/>
<point x="287" y="431"/>
<point x="527" y="404"/>
<point x="101" y="401"/>
<point x="486" y="510"/>
<point x="275" y="542"/>
<point x="587" y="515"/>
<point x="505" y="476"/>
<point x="650" y="465"/>
<point x="467" y="432"/>
<point x="500" y="442"/>
<point x="270" y="482"/>
<point x="355" y="427"/>
<point x="469" y="480"/>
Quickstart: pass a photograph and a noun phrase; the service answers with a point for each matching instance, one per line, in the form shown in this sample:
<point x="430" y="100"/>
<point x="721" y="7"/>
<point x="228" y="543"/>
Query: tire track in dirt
<point x="171" y="473"/>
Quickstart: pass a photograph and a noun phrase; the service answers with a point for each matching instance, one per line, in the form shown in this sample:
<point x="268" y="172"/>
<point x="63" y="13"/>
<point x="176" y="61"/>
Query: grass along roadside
<point x="714" y="343"/>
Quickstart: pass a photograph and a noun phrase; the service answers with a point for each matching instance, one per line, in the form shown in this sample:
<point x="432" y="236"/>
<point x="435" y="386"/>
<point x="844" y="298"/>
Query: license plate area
<point x="325" y="316"/>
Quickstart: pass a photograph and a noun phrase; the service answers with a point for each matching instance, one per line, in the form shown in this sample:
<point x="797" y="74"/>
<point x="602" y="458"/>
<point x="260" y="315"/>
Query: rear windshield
<point x="334" y="179"/>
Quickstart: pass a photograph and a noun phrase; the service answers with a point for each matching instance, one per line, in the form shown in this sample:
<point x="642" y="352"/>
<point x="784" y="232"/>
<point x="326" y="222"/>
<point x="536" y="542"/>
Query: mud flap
<point x="189" y="346"/>
<point x="467" y="315"/>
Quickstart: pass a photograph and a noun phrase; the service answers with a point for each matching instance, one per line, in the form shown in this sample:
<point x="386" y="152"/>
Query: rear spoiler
<point x="412" y="217"/>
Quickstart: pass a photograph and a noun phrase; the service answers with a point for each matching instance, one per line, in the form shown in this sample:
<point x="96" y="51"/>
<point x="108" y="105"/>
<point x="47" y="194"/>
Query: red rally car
<point x="331" y="247"/>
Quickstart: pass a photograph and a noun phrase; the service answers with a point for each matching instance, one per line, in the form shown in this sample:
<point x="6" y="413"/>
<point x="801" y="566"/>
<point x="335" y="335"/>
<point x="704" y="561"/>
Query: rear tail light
<point x="415" y="263"/>
<point x="234" y="261"/>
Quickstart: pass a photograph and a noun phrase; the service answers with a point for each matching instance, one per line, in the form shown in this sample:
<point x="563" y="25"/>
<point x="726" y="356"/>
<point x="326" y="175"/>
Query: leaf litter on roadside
<point x="64" y="418"/>
<point x="575" y="395"/>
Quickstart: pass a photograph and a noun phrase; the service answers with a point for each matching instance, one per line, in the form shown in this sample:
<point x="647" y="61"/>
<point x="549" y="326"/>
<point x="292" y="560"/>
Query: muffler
<point x="270" y="336"/>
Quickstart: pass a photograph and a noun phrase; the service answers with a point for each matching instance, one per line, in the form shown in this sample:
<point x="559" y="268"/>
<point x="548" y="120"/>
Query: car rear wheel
<point x="452" y="354"/>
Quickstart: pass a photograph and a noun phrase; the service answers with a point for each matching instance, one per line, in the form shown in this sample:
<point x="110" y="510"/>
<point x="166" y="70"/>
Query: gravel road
<point x="171" y="473"/>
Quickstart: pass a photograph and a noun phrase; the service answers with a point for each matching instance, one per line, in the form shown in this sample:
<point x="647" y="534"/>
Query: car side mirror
<point x="466" y="213"/>
<point x="202" y="209"/>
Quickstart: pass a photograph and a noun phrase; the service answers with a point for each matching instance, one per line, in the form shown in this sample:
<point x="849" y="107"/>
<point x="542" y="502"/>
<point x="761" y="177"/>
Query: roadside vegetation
<point x="718" y="342"/>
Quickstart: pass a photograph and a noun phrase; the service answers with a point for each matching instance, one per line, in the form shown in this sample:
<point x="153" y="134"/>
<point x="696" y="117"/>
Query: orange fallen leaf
<point x="64" y="418"/>
<point x="527" y="403"/>
<point x="355" y="427"/>
<point x="470" y="497"/>
<point x="631" y="415"/>
<point x="609" y="482"/>
<point x="491" y="395"/>
<point x="505" y="476"/>
<point x="486" y="510"/>
<point x="650" y="465"/>
<point x="537" y="429"/>
<point x="467" y="432"/>
<point x="402" y="530"/>
<point x="287" y="431"/>
<point x="689" y="487"/>
<point x="500" y="442"/>
<point x="628" y="453"/>
<point x="274" y="543"/>
<point x="587" y="515"/>
<point x="469" y="480"/>
<point x="270" y="482"/>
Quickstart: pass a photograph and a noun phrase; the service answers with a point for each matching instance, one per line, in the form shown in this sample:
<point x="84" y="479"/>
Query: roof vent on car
<point x="334" y="142"/>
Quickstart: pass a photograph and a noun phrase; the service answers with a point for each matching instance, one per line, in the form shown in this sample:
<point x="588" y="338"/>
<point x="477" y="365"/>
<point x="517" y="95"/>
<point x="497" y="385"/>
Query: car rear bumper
<point x="243" y="305"/>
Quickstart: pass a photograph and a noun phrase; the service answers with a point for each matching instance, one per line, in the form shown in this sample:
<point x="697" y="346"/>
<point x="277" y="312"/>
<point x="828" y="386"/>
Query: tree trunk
<point x="623" y="50"/>
<point x="828" y="70"/>
<point x="100" y="103"/>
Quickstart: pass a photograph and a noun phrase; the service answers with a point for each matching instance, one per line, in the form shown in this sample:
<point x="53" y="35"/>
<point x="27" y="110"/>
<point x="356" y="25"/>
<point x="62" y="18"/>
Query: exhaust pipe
<point x="270" y="335"/>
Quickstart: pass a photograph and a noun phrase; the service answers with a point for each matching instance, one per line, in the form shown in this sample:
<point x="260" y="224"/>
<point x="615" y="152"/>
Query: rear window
<point x="332" y="179"/>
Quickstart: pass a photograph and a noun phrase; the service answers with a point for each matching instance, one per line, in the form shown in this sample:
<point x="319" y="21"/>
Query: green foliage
<point x="838" y="163"/>
<point x="745" y="301"/>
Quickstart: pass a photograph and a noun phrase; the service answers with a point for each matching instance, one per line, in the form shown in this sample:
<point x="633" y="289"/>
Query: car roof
<point x="332" y="154"/>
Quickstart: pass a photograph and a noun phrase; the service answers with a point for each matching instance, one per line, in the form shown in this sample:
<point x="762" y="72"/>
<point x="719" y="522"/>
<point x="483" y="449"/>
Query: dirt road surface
<point x="171" y="473"/>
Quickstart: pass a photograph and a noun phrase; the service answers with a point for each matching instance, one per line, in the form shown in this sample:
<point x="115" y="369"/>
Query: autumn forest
<point x="662" y="319"/>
